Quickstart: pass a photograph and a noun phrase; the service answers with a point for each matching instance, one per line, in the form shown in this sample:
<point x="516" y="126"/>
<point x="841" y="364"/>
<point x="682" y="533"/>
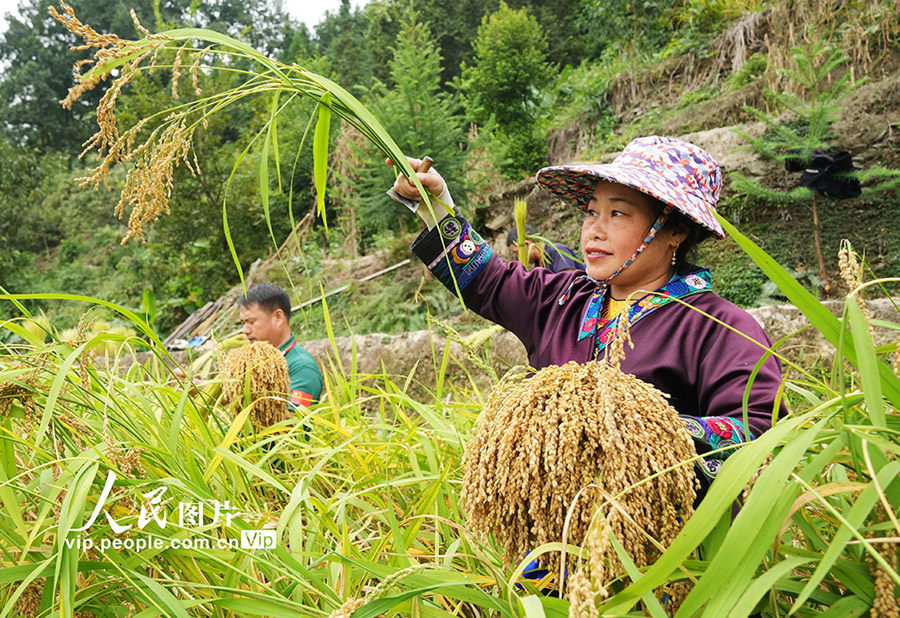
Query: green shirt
<point x="306" y="379"/>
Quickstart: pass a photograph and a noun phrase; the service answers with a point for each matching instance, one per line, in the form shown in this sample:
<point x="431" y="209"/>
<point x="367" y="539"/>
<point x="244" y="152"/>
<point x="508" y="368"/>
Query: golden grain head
<point x="25" y="387"/>
<point x="542" y="440"/>
<point x="896" y="360"/>
<point x="261" y="369"/>
<point x="849" y="266"/>
<point x="885" y="604"/>
<point x="29" y="602"/>
<point x="346" y="610"/>
<point x="148" y="184"/>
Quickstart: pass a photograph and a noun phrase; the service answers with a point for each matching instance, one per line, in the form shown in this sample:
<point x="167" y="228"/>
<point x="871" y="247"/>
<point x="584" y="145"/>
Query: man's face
<point x="259" y="325"/>
<point x="535" y="252"/>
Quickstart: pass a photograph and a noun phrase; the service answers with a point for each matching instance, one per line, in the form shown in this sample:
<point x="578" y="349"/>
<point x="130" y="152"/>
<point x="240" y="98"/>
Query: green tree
<point x="505" y="84"/>
<point x="610" y="22"/>
<point x="36" y="52"/>
<point x="341" y="37"/>
<point x="422" y="120"/>
<point x="24" y="228"/>
<point x="455" y="26"/>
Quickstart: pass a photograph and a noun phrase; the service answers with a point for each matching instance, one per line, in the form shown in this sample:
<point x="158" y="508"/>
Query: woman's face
<point x="617" y="221"/>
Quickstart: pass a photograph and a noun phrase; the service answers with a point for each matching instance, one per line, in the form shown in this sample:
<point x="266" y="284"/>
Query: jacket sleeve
<point x="727" y="362"/>
<point x="521" y="301"/>
<point x="453" y="251"/>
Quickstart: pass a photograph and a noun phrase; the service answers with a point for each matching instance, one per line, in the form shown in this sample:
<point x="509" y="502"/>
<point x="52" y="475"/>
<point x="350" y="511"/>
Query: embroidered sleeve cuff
<point x="452" y="250"/>
<point x="712" y="433"/>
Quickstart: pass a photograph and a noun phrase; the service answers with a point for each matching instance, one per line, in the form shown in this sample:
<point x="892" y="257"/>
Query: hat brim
<point x="574" y="184"/>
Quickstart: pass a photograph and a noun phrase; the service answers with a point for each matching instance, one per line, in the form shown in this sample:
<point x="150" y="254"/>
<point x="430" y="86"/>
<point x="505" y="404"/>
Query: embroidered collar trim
<point x="679" y="286"/>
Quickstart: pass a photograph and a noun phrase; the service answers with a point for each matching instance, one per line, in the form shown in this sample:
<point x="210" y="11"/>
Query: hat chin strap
<point x="603" y="285"/>
<point x="651" y="234"/>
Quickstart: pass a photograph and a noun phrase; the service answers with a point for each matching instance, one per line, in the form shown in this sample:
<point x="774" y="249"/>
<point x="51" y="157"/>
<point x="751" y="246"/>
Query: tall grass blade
<point x="164" y="596"/>
<point x="865" y="502"/>
<point x="383" y="605"/>
<point x="649" y="598"/>
<point x="533" y="608"/>
<point x="764" y="584"/>
<point x="820" y="317"/>
<point x="747" y="540"/>
<point x="236" y="425"/>
<point x="867" y="362"/>
<point x="320" y="153"/>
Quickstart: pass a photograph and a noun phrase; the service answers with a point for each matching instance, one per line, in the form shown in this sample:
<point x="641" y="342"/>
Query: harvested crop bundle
<point x="262" y="369"/>
<point x="541" y="439"/>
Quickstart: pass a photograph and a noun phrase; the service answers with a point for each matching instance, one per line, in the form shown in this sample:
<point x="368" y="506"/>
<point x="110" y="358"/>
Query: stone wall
<point x="399" y="354"/>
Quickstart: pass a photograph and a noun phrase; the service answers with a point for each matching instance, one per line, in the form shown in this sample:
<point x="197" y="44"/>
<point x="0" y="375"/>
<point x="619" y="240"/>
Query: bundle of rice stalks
<point x="260" y="369"/>
<point x="542" y="439"/>
<point x="25" y="381"/>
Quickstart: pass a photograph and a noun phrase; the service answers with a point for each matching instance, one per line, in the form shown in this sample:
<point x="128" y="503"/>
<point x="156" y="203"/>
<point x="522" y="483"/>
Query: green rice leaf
<point x="164" y="596"/>
<point x="763" y="585"/>
<point x="386" y="604"/>
<point x="211" y="36"/>
<point x="55" y="388"/>
<point x="847" y="606"/>
<point x="256" y="471"/>
<point x="749" y="537"/>
<point x="867" y="362"/>
<point x="256" y="607"/>
<point x="320" y="153"/>
<point x="649" y="598"/>
<point x="865" y="502"/>
<point x="71" y="514"/>
<point x="533" y="608"/>
<point x="7" y="471"/>
<point x="820" y="317"/>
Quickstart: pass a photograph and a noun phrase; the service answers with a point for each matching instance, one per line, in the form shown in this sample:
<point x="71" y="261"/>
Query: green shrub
<point x="511" y="66"/>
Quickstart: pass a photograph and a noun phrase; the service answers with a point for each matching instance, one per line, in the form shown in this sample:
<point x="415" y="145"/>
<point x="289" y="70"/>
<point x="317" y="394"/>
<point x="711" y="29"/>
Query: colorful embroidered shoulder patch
<point x="464" y="257"/>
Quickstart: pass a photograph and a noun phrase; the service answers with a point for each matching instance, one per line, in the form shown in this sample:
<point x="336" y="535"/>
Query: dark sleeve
<point x="726" y="362"/>
<point x="506" y="293"/>
<point x="453" y="251"/>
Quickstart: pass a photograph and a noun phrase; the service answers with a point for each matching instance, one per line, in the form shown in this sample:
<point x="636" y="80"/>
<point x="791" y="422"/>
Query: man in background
<point x="265" y="316"/>
<point x="555" y="256"/>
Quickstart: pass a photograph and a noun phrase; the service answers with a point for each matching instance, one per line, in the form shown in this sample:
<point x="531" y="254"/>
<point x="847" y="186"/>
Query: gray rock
<point x="398" y="355"/>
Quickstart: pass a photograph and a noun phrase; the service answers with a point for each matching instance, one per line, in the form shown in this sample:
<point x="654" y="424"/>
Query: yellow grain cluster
<point x="896" y="362"/>
<point x="346" y="610"/>
<point x="543" y="439"/>
<point x="853" y="275"/>
<point x="28" y="381"/>
<point x="261" y="368"/>
<point x="148" y="184"/>
<point x="29" y="603"/>
<point x="885" y="604"/>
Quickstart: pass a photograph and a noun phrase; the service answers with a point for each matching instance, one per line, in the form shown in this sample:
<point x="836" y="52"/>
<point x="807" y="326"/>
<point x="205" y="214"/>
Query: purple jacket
<point x="702" y="365"/>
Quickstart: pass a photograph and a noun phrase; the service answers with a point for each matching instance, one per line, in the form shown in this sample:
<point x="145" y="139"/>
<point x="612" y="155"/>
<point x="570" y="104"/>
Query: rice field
<point x="359" y="501"/>
<point x="125" y="492"/>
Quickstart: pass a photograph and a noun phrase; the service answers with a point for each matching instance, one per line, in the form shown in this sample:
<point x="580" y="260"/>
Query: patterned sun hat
<point x="675" y="172"/>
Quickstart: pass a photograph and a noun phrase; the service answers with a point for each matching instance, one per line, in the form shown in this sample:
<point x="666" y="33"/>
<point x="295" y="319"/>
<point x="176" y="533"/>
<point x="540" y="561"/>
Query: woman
<point x="644" y="213"/>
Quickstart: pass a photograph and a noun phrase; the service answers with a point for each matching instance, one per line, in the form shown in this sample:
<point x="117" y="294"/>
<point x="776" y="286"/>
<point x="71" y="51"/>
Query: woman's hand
<point x="431" y="180"/>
